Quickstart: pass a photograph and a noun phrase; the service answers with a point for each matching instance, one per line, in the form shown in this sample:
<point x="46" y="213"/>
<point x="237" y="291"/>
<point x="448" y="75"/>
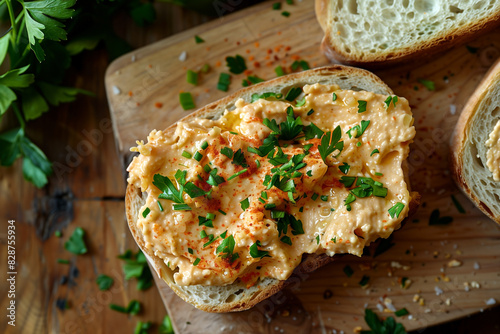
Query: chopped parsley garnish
<point x="279" y="71"/>
<point x="245" y="204"/>
<point x="364" y="280"/>
<point x="203" y="234"/>
<point x="324" y="198"/>
<point x="137" y="266"/>
<point x="193" y="191"/>
<point x="300" y="63"/>
<point x="401" y="312"/>
<point x="334" y="239"/>
<point x="227" y="152"/>
<point x="285" y="13"/>
<point x="435" y="218"/>
<point x="459" y="207"/>
<point x="169" y="191"/>
<point x="239" y="159"/>
<point x="286" y="240"/>
<point x="198" y="39"/>
<point x="224" y="82"/>
<point x="345" y="168"/>
<point x="269" y="206"/>
<point x="253" y="79"/>
<point x="236" y="64"/>
<point x="390" y="99"/>
<point x="205" y="221"/>
<point x="287" y="130"/>
<point x="277" y="5"/>
<point x="374" y="152"/>
<point x="195" y="263"/>
<point x="222" y="212"/>
<point x="307" y="147"/>
<point x="348" y="200"/>
<point x="428" y="84"/>
<point x="265" y="96"/>
<point x="388" y="326"/>
<point x="312" y="131"/>
<point x="256" y="253"/>
<point x="293" y="93"/>
<point x="396" y="210"/>
<point x="186" y="100"/>
<point x="76" y="242"/>
<point x="289" y="220"/>
<point x="314" y="196"/>
<point x="62" y="261"/>
<point x="330" y="143"/>
<point x="214" y="179"/>
<point x="226" y="248"/>
<point x="160" y="206"/>
<point x="204" y="145"/>
<point x="317" y="240"/>
<point x="348" y="270"/>
<point x="192" y="77"/>
<point x="146" y="212"/>
<point x="347" y="181"/>
<point x="359" y="129"/>
<point x="379" y="174"/>
<point x="309" y="173"/>
<point x="310" y="112"/>
<point x="186" y="155"/>
<point x="134" y="307"/>
<point x="104" y="282"/>
<point x="334" y="97"/>
<point x="210" y="215"/>
<point x="190" y="251"/>
<point x="210" y="240"/>
<point x="358" y="144"/>
<point x="361" y="106"/>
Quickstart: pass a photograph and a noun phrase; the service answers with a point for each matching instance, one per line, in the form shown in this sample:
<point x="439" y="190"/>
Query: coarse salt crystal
<point x="116" y="90"/>
<point x="491" y="301"/>
<point x="183" y="56"/>
<point x="476" y="266"/>
<point x="453" y="109"/>
<point x="132" y="58"/>
<point x="438" y="291"/>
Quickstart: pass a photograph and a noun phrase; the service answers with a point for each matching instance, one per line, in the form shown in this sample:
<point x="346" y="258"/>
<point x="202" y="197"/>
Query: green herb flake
<point x="62" y="261"/>
<point x="133" y="308"/>
<point x="227" y="152"/>
<point x="293" y="93"/>
<point x="310" y="112"/>
<point x="374" y="152"/>
<point x="344" y="168"/>
<point x="324" y="198"/>
<point x="204" y="145"/>
<point x="198" y="39"/>
<point x="186" y="101"/>
<point x="436" y="219"/>
<point x="334" y="97"/>
<point x="334" y="239"/>
<point x="285" y="13"/>
<point x="166" y="326"/>
<point x="160" y="206"/>
<point x="142" y="327"/>
<point x="146" y="212"/>
<point x="396" y="210"/>
<point x="195" y="263"/>
<point x="279" y="71"/>
<point x="182" y="207"/>
<point x="457" y="204"/>
<point x="186" y="154"/>
<point x="390" y="99"/>
<point x="277" y="6"/>
<point x="236" y="64"/>
<point x="224" y="82"/>
<point x="205" y="68"/>
<point x="286" y="239"/>
<point x="57" y="234"/>
<point x="314" y="196"/>
<point x="428" y="84"/>
<point x="317" y="240"/>
<point x="192" y="77"/>
<point x="347" y="269"/>
<point x="198" y="156"/>
<point x="401" y="312"/>
<point x="364" y="280"/>
<point x="330" y="142"/>
<point x="190" y="251"/>
<point x="76" y="242"/>
<point x="245" y="204"/>
<point x="361" y="106"/>
<point x="301" y="103"/>
<point x="104" y="282"/>
<point x="237" y="174"/>
<point x="388" y="326"/>
<point x="256" y="253"/>
<point x="203" y="234"/>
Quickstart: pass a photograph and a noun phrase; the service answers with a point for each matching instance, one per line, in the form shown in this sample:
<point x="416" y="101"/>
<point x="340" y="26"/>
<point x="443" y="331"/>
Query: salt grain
<point x="438" y="291"/>
<point x="453" y="109"/>
<point x="476" y="266"/>
<point x="116" y="90"/>
<point x="132" y="58"/>
<point x="491" y="301"/>
<point x="183" y="56"/>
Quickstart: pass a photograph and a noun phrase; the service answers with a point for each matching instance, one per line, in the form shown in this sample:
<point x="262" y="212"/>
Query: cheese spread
<point x="493" y="153"/>
<point x="246" y="195"/>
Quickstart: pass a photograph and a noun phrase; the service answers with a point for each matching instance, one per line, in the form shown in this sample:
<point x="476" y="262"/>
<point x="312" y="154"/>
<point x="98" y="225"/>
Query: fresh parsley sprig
<point x="330" y="142"/>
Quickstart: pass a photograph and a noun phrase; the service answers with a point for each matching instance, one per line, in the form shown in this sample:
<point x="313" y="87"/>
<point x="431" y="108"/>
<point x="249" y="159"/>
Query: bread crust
<point x="343" y="76"/>
<point x="461" y="132"/>
<point x="420" y="52"/>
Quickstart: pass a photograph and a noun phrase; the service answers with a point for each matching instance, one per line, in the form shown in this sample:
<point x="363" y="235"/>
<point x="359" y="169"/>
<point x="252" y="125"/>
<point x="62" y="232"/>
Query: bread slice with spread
<point x="475" y="147"/>
<point x="272" y="180"/>
<point x="381" y="33"/>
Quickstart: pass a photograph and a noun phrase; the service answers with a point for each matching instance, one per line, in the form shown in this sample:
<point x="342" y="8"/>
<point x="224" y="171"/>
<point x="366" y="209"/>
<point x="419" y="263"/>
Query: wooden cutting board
<point x="143" y="89"/>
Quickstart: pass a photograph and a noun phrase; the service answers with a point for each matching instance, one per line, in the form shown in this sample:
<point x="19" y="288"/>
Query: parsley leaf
<point x="239" y="159"/>
<point x="312" y="131"/>
<point x="396" y="210"/>
<point x="361" y="106"/>
<point x="390" y="99"/>
<point x="388" y="326"/>
<point x="134" y="307"/>
<point x="287" y="130"/>
<point x="105" y="282"/>
<point x="293" y="93"/>
<point x="137" y="266"/>
<point x="330" y="142"/>
<point x="169" y="191"/>
<point x="428" y="84"/>
<point x="226" y="249"/>
<point x="245" y="204"/>
<point x="345" y="167"/>
<point x="142" y="327"/>
<point x="76" y="243"/>
<point x="255" y="252"/>
<point x="166" y="326"/>
<point x="236" y="64"/>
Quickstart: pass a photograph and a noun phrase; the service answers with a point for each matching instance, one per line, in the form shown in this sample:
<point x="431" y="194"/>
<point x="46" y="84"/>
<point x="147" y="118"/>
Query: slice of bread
<point x="384" y="32"/>
<point x="236" y="296"/>
<point x="468" y="147"/>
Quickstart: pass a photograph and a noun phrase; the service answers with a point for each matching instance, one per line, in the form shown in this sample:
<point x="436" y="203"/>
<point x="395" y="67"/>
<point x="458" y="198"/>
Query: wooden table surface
<point x="87" y="190"/>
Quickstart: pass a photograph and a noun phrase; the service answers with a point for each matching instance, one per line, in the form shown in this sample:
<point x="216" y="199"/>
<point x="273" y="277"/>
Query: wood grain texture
<point x="150" y="80"/>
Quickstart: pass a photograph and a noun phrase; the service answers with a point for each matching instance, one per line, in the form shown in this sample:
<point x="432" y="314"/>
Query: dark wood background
<point x="87" y="190"/>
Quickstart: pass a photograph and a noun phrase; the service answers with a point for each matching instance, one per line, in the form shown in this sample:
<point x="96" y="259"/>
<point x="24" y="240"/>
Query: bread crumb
<point x="448" y="302"/>
<point x="475" y="285"/>
<point x="357" y="329"/>
<point x="416" y="298"/>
